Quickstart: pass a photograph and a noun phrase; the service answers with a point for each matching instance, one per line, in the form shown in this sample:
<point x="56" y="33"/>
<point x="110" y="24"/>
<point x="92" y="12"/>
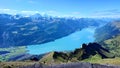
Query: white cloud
<point x="24" y="12"/>
<point x="73" y="14"/>
<point x="51" y="13"/>
<point x="106" y="13"/>
<point x="29" y="12"/>
<point x="114" y="13"/>
<point x="9" y="11"/>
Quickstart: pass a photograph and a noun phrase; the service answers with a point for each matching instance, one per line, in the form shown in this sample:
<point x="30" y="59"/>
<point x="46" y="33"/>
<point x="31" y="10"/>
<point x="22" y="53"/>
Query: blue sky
<point x="77" y="8"/>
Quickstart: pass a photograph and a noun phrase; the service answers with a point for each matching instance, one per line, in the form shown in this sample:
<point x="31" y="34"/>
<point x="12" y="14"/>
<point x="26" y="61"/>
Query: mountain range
<point x="109" y="36"/>
<point x="18" y="30"/>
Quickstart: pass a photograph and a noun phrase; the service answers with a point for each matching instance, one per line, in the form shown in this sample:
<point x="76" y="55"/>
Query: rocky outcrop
<point x="72" y="65"/>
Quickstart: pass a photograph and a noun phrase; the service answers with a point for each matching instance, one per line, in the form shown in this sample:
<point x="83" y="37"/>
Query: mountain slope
<point x="87" y="51"/>
<point x="108" y="31"/>
<point x="17" y="30"/>
<point x="109" y="37"/>
<point x="113" y="45"/>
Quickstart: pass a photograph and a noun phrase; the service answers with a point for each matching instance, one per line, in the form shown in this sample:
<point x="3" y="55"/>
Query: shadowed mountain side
<point x="87" y="51"/>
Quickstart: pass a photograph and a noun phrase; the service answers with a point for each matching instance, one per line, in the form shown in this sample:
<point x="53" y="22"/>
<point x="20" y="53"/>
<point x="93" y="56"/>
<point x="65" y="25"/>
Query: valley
<point x="59" y="33"/>
<point x="17" y="30"/>
<point x="44" y="43"/>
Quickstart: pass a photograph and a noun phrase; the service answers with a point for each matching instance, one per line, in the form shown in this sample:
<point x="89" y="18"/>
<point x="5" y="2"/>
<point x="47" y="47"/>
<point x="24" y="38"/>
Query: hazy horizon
<point x="63" y="8"/>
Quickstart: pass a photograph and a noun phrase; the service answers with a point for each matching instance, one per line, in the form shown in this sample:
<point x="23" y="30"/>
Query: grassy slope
<point x="15" y="64"/>
<point x="95" y="59"/>
<point x="13" y="52"/>
<point x="113" y="45"/>
<point x="47" y="58"/>
<point x="109" y="36"/>
<point x="54" y="58"/>
<point x="98" y="60"/>
<point x="87" y="54"/>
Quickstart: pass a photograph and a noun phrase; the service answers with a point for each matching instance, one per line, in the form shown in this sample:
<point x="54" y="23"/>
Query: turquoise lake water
<point x="67" y="43"/>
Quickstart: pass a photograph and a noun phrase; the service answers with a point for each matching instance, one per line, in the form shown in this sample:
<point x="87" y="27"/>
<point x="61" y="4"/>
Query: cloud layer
<point x="114" y="13"/>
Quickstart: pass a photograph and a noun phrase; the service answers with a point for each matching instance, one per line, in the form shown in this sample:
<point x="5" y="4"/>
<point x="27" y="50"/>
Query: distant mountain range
<point x="18" y="30"/>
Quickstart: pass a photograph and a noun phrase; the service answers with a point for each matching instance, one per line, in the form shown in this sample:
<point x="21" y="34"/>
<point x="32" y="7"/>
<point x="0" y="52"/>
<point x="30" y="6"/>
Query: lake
<point x="67" y="43"/>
